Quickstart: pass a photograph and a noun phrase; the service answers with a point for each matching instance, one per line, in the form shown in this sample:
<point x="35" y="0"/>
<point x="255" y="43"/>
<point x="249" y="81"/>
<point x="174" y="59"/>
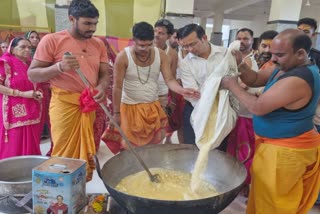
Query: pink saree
<point x="101" y="122"/>
<point x="21" y="126"/>
<point x="241" y="143"/>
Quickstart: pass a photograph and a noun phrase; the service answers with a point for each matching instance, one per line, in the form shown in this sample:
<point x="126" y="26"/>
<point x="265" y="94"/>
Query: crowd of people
<point x="157" y="83"/>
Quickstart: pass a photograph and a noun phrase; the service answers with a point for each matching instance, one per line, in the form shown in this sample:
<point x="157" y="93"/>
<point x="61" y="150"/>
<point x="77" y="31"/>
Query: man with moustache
<point x="309" y="27"/>
<point x="241" y="142"/>
<point x="243" y="133"/>
<point x="286" y="164"/>
<point x="263" y="58"/>
<point x="245" y="36"/>
<point x="170" y="101"/>
<point x="72" y="122"/>
<point x="136" y="103"/>
<point x="173" y="40"/>
<point x="163" y="30"/>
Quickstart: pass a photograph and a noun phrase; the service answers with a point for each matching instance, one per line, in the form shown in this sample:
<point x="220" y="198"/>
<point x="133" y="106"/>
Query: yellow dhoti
<point x="72" y="130"/>
<point x="143" y="123"/>
<point x="286" y="175"/>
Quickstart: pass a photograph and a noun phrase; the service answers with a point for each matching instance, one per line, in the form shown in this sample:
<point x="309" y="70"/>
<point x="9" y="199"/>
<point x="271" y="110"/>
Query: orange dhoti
<point x="72" y="130"/>
<point x="285" y="175"/>
<point x="143" y="123"/>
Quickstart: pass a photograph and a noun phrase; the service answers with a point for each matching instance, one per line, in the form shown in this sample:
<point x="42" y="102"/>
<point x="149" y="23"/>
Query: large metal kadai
<point x="16" y="181"/>
<point x="224" y="172"/>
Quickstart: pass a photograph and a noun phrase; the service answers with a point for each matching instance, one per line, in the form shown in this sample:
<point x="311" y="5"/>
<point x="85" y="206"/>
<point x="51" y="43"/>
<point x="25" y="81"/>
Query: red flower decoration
<point x="87" y="103"/>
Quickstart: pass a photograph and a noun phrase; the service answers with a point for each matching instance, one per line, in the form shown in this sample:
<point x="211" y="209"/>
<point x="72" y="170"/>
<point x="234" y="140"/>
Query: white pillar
<point x="284" y="14"/>
<point x="217" y="22"/>
<point x="62" y="2"/>
<point x="179" y="12"/>
<point x="203" y="22"/>
<point x="216" y="35"/>
<point x="61" y="15"/>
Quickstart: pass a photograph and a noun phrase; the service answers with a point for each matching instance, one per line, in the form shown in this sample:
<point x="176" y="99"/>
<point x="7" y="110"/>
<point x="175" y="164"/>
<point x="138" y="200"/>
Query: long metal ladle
<point x="153" y="178"/>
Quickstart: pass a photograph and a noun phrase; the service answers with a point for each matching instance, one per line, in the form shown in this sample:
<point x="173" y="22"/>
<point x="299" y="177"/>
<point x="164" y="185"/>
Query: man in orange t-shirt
<point x="71" y="127"/>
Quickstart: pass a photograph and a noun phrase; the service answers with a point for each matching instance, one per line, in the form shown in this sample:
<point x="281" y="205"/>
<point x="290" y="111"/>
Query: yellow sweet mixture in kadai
<point x="174" y="186"/>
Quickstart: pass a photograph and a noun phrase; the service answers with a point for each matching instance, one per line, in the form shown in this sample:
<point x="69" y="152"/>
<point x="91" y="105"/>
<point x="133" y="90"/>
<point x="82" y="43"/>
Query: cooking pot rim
<point x="24" y="157"/>
<point x="18" y="182"/>
<point x="3" y="161"/>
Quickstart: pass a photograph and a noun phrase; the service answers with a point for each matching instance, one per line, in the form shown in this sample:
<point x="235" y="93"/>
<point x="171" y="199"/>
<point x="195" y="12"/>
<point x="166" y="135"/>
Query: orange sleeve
<point x="46" y="49"/>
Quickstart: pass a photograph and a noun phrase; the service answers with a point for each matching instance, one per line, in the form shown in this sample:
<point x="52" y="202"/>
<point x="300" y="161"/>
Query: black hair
<point x="179" y="33"/>
<point x="308" y="21"/>
<point x="143" y="31"/>
<point x="244" y="30"/>
<point x="59" y="196"/>
<point x="15" y="42"/>
<point x="82" y="8"/>
<point x="301" y="41"/>
<point x="188" y="29"/>
<point x="28" y="34"/>
<point x="268" y="35"/>
<point x="165" y="23"/>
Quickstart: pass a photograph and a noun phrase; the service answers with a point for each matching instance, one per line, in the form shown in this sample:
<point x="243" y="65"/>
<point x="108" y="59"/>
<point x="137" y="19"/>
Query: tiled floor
<point x="238" y="206"/>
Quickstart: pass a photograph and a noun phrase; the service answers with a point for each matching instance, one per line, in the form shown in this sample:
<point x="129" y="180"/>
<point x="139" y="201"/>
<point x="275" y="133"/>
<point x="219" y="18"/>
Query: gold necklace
<point x="138" y="71"/>
<point x="140" y="80"/>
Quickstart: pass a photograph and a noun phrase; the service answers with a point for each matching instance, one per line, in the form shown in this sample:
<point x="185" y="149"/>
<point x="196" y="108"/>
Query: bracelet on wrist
<point x="16" y="92"/>
<point x="59" y="67"/>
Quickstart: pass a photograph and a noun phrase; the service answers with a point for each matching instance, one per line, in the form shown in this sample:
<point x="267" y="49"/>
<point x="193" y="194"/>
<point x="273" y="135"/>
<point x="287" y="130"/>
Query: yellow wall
<point x="9" y="14"/>
<point x="32" y="13"/>
<point x="101" y="27"/>
<point x="50" y="8"/>
<point x="147" y="10"/>
<point x="119" y="18"/>
<point x="121" y="15"/>
<point x="116" y="16"/>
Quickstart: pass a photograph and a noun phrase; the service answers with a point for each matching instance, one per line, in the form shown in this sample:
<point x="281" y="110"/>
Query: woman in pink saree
<point x="20" y="103"/>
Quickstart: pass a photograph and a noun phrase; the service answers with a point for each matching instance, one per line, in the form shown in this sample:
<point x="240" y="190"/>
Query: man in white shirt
<point x="201" y="60"/>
